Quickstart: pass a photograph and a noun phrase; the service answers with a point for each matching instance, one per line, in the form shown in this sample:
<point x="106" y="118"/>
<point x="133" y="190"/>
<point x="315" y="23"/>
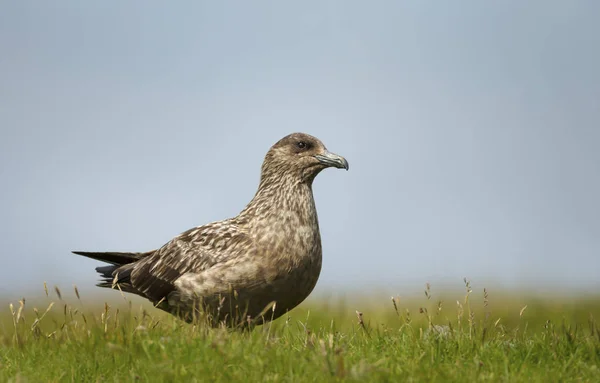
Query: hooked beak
<point x="330" y="159"/>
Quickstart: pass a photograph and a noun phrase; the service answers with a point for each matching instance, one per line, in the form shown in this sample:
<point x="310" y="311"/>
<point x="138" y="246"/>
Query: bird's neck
<point x="283" y="218"/>
<point x="285" y="200"/>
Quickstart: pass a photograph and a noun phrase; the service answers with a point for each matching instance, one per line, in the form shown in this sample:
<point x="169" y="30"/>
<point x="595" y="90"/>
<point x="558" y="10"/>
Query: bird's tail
<point x="114" y="258"/>
<point x="119" y="269"/>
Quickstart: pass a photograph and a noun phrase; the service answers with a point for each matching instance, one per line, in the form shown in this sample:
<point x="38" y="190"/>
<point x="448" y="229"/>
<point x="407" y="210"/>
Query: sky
<point x="471" y="129"/>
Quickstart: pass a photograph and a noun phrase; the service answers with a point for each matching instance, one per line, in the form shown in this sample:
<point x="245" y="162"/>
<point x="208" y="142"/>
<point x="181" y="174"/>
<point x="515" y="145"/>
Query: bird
<point x="245" y="270"/>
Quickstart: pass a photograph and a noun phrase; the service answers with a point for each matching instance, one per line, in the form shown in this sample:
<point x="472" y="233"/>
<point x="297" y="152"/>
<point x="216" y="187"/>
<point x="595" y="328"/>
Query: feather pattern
<point x="235" y="268"/>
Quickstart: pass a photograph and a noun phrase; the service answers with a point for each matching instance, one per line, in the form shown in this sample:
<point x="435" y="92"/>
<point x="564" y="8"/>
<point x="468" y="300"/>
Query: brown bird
<point x="248" y="269"/>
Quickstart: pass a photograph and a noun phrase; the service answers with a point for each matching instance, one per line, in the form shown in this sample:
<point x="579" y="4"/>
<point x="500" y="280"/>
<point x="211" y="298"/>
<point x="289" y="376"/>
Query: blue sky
<point x="471" y="129"/>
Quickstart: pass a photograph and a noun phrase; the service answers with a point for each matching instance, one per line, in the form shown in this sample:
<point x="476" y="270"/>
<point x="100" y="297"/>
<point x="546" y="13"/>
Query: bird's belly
<point x="248" y="288"/>
<point x="286" y="284"/>
<point x="294" y="284"/>
<point x="292" y="267"/>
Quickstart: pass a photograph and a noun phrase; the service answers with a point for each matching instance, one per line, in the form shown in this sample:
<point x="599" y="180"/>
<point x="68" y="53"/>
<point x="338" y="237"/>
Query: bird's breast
<point x="295" y="259"/>
<point x="289" y="241"/>
<point x="291" y="245"/>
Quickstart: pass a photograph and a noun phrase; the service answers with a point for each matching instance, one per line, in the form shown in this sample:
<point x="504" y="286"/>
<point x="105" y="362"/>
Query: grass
<point x="470" y="337"/>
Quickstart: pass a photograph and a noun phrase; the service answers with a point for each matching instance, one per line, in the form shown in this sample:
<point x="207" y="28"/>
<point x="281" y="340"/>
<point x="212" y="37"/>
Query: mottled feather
<point x="232" y="269"/>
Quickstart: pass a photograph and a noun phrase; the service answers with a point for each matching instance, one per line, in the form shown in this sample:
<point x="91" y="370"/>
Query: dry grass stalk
<point x="522" y="311"/>
<point x="460" y="312"/>
<point x="39" y="318"/>
<point x="396" y="306"/>
<point x="407" y="316"/>
<point x="20" y="311"/>
<point x="77" y="293"/>
<point x="361" y="322"/>
<point x="486" y="303"/>
<point x="104" y="317"/>
<point x="58" y="293"/>
<point x="471" y="314"/>
<point x="271" y="322"/>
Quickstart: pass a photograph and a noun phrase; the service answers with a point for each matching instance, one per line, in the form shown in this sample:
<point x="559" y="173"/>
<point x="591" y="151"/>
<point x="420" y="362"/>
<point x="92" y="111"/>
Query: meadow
<point x="473" y="335"/>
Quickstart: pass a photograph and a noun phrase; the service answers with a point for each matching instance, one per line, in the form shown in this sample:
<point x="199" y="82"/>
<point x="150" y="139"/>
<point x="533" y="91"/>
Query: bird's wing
<point x="193" y="251"/>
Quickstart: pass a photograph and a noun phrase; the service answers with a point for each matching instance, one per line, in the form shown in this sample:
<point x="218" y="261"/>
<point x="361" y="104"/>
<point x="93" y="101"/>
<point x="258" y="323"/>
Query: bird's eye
<point x="301" y="144"/>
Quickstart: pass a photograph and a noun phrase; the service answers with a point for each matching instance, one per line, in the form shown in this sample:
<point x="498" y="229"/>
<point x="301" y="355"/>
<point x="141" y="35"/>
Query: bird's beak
<point x="331" y="159"/>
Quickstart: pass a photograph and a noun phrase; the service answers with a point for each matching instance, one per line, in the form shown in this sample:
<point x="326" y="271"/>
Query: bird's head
<point x="301" y="157"/>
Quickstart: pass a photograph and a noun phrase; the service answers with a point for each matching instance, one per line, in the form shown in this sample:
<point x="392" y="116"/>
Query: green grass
<point x="468" y="337"/>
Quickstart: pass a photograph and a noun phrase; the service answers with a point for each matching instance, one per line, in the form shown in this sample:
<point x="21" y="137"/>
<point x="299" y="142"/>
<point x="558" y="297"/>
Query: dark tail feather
<point x="113" y="257"/>
<point x="112" y="275"/>
<point x="119" y="270"/>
